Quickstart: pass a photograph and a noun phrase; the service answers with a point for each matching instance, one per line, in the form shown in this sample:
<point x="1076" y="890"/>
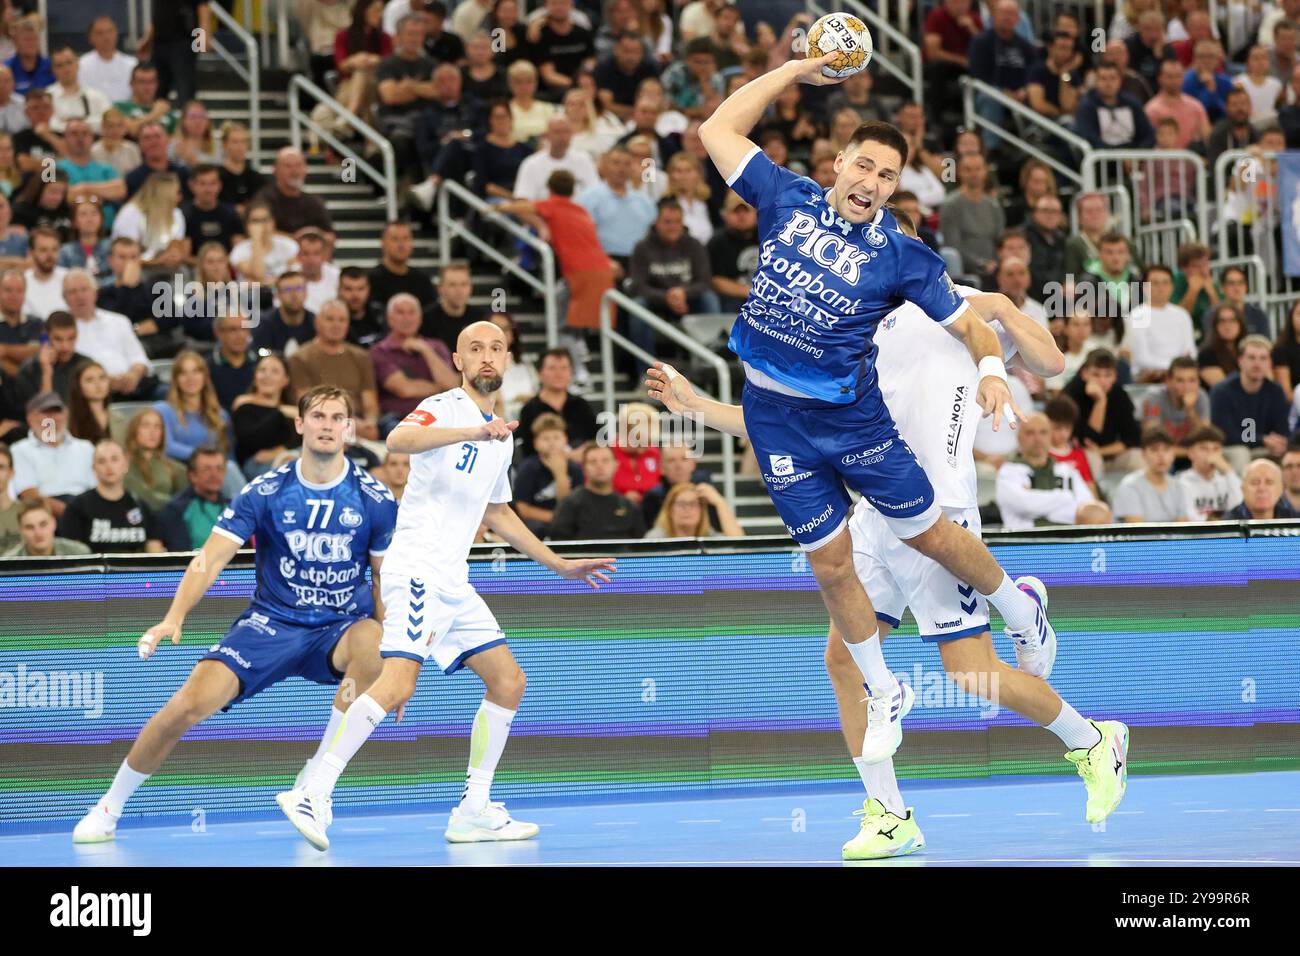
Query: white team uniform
<point x="929" y="384"/>
<point x="430" y="609"/>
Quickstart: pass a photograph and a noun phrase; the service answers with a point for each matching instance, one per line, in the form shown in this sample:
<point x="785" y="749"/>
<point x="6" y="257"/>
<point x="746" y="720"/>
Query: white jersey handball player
<point x="929" y="381"/>
<point x="460" y="465"/>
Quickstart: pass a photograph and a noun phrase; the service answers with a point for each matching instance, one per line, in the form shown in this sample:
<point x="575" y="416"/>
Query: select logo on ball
<point x="845" y="36"/>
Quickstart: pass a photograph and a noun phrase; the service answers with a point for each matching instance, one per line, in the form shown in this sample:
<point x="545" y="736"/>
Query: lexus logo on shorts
<point x="782" y="464"/>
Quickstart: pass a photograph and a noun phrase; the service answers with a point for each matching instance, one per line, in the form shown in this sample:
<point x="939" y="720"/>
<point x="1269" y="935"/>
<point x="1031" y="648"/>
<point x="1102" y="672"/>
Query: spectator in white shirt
<point x="1211" y="484"/>
<point x="530" y="183"/>
<point x="1035" y="489"/>
<point x="1157" y="331"/>
<point x="106" y="68"/>
<point x="107" y="337"/>
<point x="45" y="277"/>
<point x="322" y="277"/>
<point x="73" y="99"/>
<point x="153" y="218"/>
<point x="49" y="462"/>
<point x="1263" y="89"/>
<point x="1152" y="494"/>
<point x="13" y="108"/>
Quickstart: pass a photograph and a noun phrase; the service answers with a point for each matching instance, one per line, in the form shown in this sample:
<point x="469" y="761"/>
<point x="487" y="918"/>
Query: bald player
<point x="460" y="478"/>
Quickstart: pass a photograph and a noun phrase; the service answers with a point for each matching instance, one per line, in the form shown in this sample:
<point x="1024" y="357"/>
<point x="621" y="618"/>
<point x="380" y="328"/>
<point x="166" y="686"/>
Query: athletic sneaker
<point x="493" y="823"/>
<point x="1104" y="769"/>
<point x="1036" y="646"/>
<point x="883" y="834"/>
<point x="885" y="713"/>
<point x="310" y="813"/>
<point x="97" y="826"/>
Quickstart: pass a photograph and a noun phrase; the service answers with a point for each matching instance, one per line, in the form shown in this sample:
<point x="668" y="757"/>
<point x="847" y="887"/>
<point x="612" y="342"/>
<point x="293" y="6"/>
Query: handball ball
<point x="847" y="37"/>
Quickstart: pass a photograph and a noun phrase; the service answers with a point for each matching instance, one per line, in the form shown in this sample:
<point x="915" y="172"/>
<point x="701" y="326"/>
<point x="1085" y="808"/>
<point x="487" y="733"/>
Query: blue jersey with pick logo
<point x="313" y="541"/>
<point x="823" y="284"/>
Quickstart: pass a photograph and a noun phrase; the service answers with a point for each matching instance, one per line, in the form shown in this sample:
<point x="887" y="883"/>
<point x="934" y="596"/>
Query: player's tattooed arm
<point x="1034" y="344"/>
<point x="665" y="384"/>
<point x="202" y="571"/>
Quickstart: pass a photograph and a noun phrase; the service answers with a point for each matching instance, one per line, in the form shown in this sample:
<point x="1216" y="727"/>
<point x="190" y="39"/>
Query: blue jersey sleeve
<point x="381" y="515"/>
<point x="759" y="181"/>
<point x="923" y="280"/>
<point x="239" y="521"/>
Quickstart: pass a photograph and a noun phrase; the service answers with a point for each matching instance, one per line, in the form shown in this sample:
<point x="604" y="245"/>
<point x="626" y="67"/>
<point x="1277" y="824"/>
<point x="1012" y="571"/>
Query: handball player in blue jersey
<point x="319" y="522"/>
<point x="832" y="265"/>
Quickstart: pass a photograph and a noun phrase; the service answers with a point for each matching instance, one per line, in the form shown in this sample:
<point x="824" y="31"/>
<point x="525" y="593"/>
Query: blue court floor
<point x="1194" y="820"/>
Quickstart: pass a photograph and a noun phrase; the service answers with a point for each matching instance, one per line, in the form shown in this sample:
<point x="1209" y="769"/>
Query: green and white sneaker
<point x="492" y="824"/>
<point x="883" y="834"/>
<point x="1104" y="769"/>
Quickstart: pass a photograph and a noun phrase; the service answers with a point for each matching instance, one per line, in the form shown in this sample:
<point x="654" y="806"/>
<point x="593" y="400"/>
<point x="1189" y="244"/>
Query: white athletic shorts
<point x="421" y="621"/>
<point x="897" y="577"/>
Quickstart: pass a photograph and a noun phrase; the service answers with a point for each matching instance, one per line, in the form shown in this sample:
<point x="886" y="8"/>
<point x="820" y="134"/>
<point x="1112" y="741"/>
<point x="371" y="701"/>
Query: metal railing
<point x="1118" y="203"/>
<point x="610" y="337"/>
<point x="1163" y="184"/>
<point x="449" y="227"/>
<point x="250" y="74"/>
<point x="1248" y="220"/>
<point x="300" y="119"/>
<point x="1256" y="282"/>
<point x="972" y="87"/>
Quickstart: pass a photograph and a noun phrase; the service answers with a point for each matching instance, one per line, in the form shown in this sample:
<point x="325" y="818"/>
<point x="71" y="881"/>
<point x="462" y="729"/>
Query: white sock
<point x="881" y="784"/>
<point x="331" y="729"/>
<point x="486" y="743"/>
<point x="125" y="783"/>
<point x="1075" y="731"/>
<point x="1016" y="607"/>
<point x="872" y="663"/>
<point x="354" y="730"/>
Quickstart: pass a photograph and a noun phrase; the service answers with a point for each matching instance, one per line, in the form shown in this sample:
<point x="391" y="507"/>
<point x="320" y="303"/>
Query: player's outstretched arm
<point x="508" y="526"/>
<point x="665" y="384"/>
<point x="994" y="394"/>
<point x="413" y="436"/>
<point x="725" y="134"/>
<point x="1035" y="345"/>
<point x="202" y="571"/>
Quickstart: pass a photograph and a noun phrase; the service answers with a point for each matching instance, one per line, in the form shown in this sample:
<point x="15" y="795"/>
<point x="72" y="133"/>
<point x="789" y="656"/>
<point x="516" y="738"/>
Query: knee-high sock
<point x="871" y="662"/>
<point x="125" y="783"/>
<point x="354" y="730"/>
<point x="1016" y="607"/>
<point x="331" y="731"/>
<point x="486" y="743"/>
<point x="881" y="784"/>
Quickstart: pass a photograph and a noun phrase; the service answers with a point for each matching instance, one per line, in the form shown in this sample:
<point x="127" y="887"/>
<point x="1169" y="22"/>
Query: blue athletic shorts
<point x="808" y="451"/>
<point x="263" y="650"/>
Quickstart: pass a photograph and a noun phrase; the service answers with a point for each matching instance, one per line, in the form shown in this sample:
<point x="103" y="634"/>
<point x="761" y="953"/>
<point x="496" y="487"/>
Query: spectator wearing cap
<point x="1157" y="330"/>
<point x="1109" y="118"/>
<point x="1262" y="497"/>
<point x="569" y="229"/>
<point x="1035" y="489"/>
<point x="1249" y="407"/>
<point x="1211" y="484"/>
<point x="37" y="525"/>
<point x="108" y="518"/>
<point x="734" y="253"/>
<point x="622" y="215"/>
<point x="104" y="66"/>
<point x="546" y="477"/>
<point x="1108" y="426"/>
<point x="31" y="70"/>
<point x="408" y="367"/>
<point x="50" y="369"/>
<point x="188" y="518"/>
<point x="620" y="73"/>
<point x="49" y="462"/>
<point x="596" y="511"/>
<point x="1152" y="494"/>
